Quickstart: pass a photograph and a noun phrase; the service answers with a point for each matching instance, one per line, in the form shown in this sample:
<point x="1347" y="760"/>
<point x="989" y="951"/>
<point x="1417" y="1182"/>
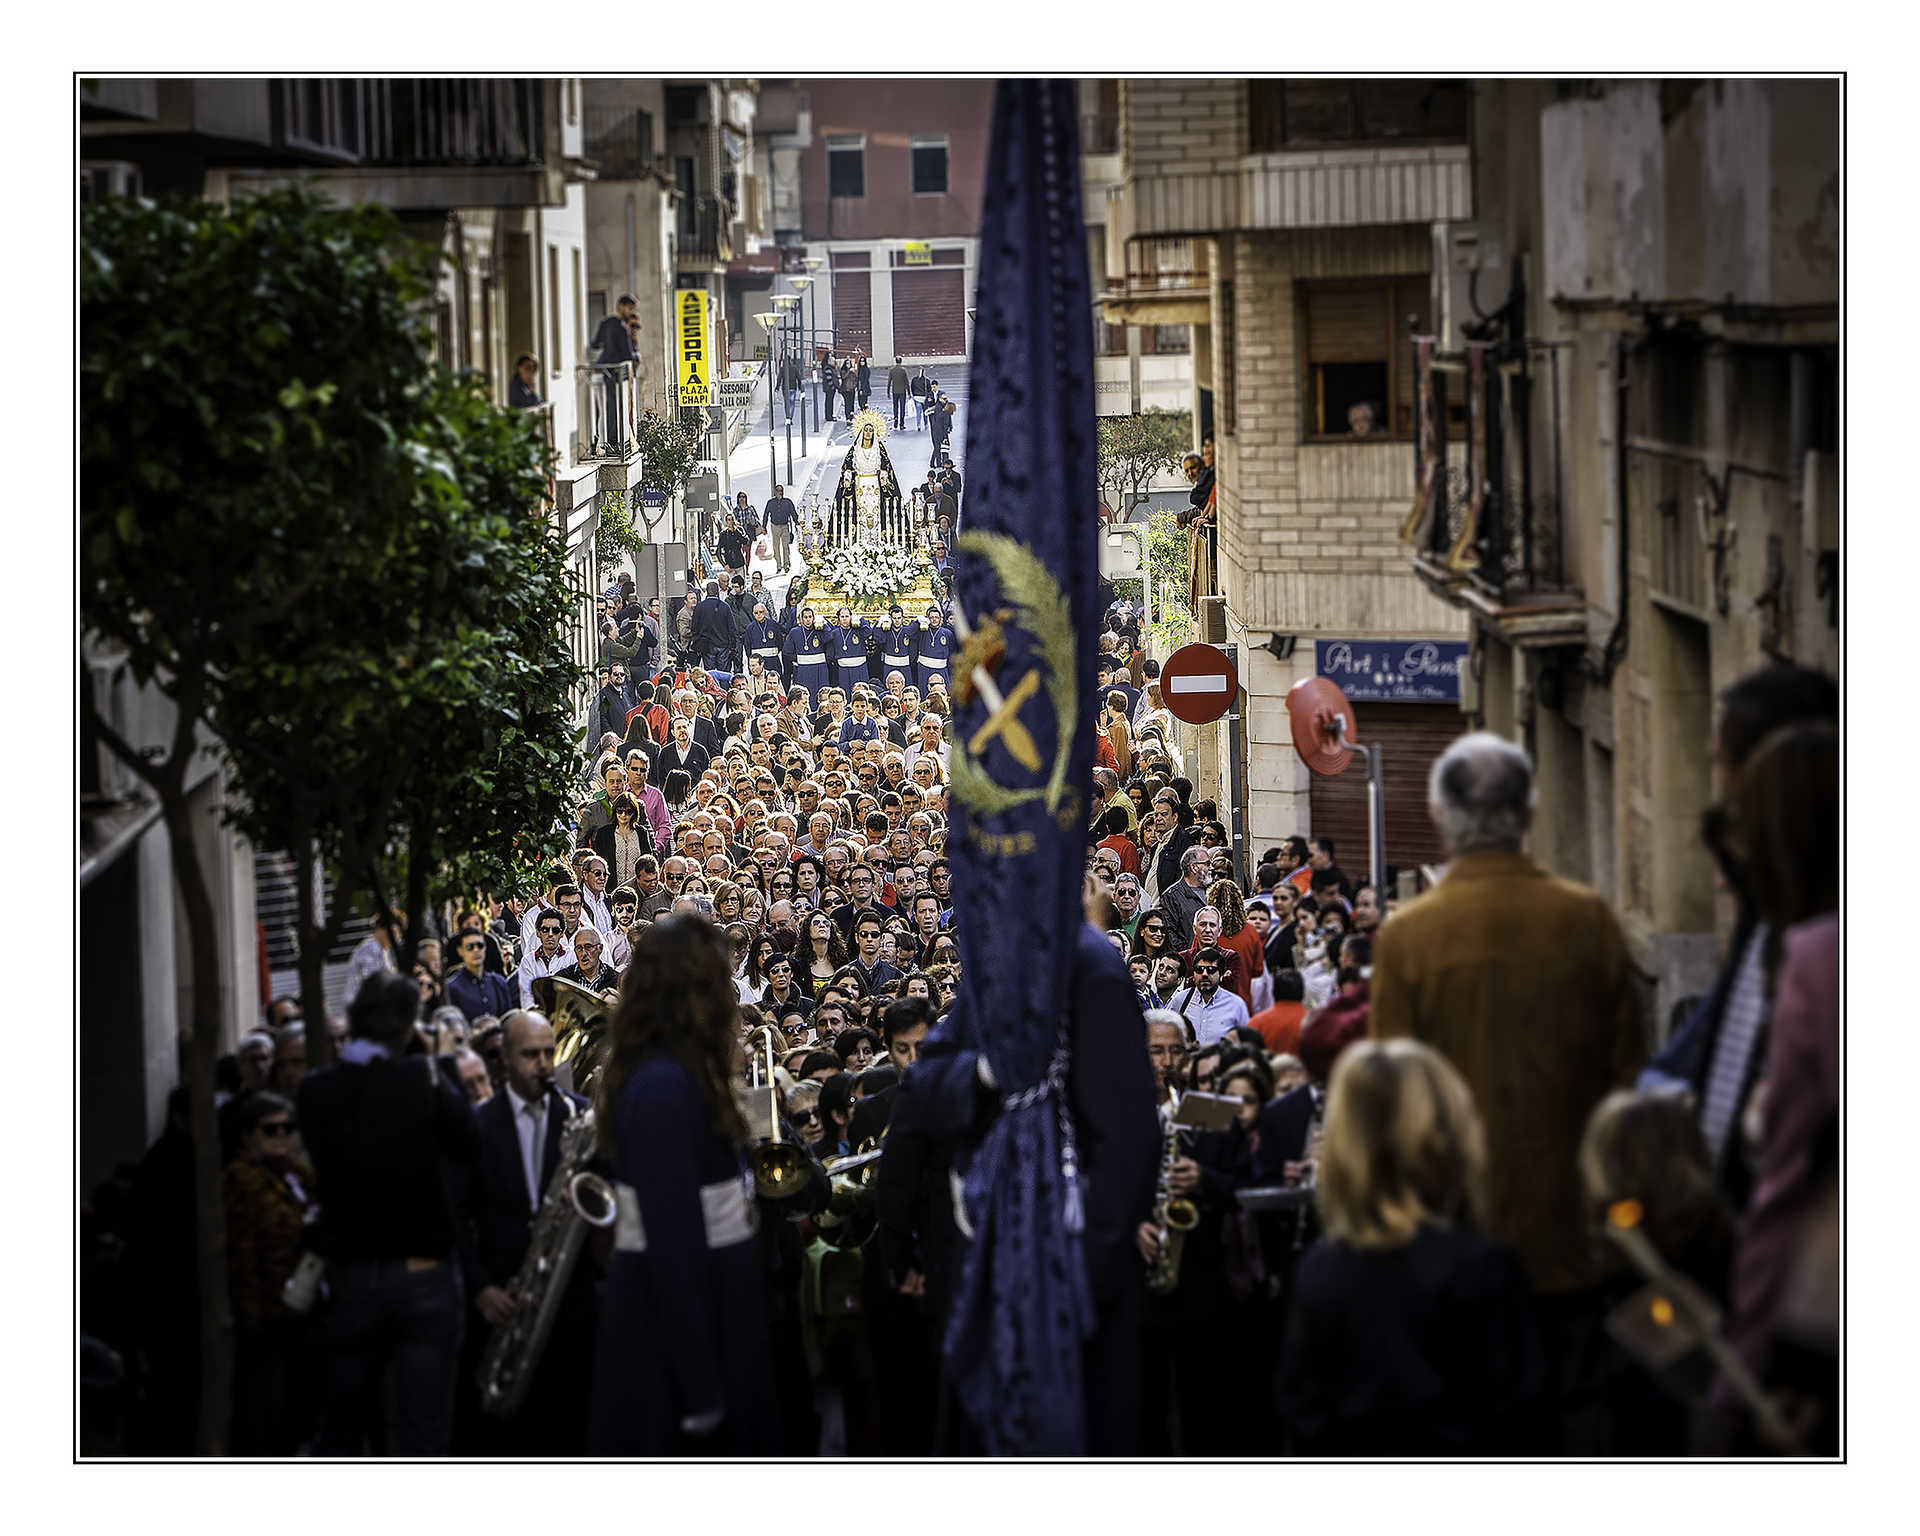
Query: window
<point x="1109" y="340"/>
<point x="1172" y="340"/>
<point x="929" y="157"/>
<point x="579" y="311"/>
<point x="322" y="115"/>
<point x="846" y="165"/>
<point x="1354" y="340"/>
<point x="1295" y="114"/>
<point x="1223" y="360"/>
<point x="553" y="308"/>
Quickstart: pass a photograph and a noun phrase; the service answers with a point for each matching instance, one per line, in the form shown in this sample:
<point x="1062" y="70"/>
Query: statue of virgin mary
<point x="868" y="494"/>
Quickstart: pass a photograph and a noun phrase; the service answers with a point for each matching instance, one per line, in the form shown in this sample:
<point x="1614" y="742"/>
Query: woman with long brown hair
<point x="683" y="1360"/>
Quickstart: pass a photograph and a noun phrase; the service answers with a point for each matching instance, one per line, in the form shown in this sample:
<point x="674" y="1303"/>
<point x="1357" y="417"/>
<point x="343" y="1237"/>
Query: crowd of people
<point x="1440" y="1108"/>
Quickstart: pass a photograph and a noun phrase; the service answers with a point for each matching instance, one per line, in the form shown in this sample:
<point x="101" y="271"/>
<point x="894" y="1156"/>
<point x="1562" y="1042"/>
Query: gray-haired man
<point x="1183" y="902"/>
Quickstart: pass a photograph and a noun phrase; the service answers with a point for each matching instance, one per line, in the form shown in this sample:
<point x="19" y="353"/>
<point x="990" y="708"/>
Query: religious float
<point x="867" y="547"/>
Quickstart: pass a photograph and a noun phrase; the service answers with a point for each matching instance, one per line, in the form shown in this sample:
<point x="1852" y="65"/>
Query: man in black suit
<point x="860" y="882"/>
<point x="682" y="752"/>
<point x="874" y="972"/>
<point x="519" y="1148"/>
<point x="715" y="636"/>
<point x="705" y="733"/>
<point x="904" y="1025"/>
<point x="382" y="1128"/>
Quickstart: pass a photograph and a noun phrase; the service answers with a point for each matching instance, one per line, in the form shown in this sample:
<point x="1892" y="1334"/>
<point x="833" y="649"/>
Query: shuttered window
<point x="1354" y="340"/>
<point x="852" y="303"/>
<point x="1410" y="737"/>
<point x="929" y="312"/>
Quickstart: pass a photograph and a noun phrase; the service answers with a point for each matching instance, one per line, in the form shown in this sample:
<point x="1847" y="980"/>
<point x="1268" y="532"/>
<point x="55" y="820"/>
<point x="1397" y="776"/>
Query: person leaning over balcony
<point x="521" y="391"/>
<point x="612" y="346"/>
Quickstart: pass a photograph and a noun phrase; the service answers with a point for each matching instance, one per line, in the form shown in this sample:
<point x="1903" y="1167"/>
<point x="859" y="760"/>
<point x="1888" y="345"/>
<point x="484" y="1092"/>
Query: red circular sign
<point x="1198" y="684"/>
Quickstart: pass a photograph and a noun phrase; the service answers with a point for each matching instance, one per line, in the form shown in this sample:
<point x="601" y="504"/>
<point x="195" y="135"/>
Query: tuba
<point x="849" y="1220"/>
<point x="1173" y="1215"/>
<point x="579" y="1020"/>
<point x="576" y="1198"/>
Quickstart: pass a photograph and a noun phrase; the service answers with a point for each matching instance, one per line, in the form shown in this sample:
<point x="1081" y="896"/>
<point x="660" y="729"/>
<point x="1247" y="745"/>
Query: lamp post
<point x="813" y="265"/>
<point x="785" y="303"/>
<point x="803" y="284"/>
<point x="767" y="319"/>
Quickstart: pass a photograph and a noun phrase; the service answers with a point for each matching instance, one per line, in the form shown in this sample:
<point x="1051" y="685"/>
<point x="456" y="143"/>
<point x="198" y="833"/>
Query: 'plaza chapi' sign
<point x="1394" y="671"/>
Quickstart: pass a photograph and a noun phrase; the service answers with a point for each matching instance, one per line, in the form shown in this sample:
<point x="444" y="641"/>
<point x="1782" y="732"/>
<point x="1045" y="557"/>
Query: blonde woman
<point x="1409" y="1333"/>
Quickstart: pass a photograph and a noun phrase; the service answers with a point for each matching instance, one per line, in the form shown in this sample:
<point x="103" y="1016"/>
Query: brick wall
<point x="1309" y="531"/>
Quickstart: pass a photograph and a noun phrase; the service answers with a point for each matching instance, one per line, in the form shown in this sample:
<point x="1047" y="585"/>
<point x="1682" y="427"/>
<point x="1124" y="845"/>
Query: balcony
<point x="619" y="140"/>
<point x="1487" y="536"/>
<point x="420" y="145"/>
<point x="1158" y="282"/>
<point x="607" y="410"/>
<point x="1310" y="189"/>
<point x="703" y="236"/>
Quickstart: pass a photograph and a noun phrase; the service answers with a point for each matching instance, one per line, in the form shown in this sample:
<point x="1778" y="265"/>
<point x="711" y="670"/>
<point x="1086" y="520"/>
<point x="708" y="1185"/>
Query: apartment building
<point x="1289" y="225"/>
<point x="1650" y="454"/>
<point x="889" y="183"/>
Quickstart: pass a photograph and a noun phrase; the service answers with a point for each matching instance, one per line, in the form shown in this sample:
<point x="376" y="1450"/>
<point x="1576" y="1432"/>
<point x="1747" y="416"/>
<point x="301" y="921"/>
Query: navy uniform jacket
<point x="858" y="730"/>
<point x="932" y="650"/>
<point x="893" y="653"/>
<point x="684" y="1327"/>
<point x="1110" y="1090"/>
<point x="805" y="656"/>
<point x="763" y="640"/>
<point x="847" y="649"/>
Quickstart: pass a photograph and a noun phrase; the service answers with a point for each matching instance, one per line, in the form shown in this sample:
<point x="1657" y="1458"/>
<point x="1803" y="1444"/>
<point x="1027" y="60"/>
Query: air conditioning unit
<point x="1213" y="619"/>
<point x="102" y="179"/>
<point x="1469" y="269"/>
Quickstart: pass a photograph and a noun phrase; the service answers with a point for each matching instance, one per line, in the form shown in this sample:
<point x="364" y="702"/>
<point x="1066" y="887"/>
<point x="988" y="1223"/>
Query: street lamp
<point x="813" y="264"/>
<point x="785" y="302"/>
<point x="767" y="319"/>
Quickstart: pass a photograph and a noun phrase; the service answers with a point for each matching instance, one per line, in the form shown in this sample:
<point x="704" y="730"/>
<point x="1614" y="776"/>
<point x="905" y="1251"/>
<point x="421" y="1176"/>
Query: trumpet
<point x="782" y="1170"/>
<point x="849" y="1220"/>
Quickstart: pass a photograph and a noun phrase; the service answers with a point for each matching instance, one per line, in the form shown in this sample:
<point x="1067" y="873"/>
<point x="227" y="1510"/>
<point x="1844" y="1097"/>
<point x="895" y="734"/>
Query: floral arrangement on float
<point x="866" y="572"/>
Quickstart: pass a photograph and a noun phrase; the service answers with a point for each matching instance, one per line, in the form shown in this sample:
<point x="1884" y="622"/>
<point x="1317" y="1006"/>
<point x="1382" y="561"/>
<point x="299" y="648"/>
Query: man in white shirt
<point x="929" y="744"/>
<point x="547" y="956"/>
<point x="593" y="892"/>
<point x="1210" y="1008"/>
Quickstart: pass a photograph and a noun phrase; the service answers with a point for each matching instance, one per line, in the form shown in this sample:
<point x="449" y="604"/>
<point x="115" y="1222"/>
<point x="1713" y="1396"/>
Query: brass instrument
<point x="849" y="1220"/>
<point x="1173" y="1215"/>
<point x="782" y="1169"/>
<point x="579" y="1020"/>
<point x="576" y="1199"/>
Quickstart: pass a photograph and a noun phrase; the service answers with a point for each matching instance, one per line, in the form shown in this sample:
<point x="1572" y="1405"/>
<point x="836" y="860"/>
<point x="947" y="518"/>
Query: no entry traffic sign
<point x="1198" y="684"/>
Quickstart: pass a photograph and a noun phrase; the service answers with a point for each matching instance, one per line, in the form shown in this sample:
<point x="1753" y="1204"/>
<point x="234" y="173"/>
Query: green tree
<point x="1134" y="451"/>
<point x="669" y="454"/>
<point x="240" y="371"/>
<point x="331" y="561"/>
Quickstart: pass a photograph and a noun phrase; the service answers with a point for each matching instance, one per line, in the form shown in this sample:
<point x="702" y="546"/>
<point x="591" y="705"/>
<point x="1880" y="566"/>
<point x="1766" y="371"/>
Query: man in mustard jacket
<point x="1524" y="983"/>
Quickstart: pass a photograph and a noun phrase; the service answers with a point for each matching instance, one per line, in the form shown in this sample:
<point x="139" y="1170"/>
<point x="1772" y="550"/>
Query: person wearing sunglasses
<point x="268" y="1191"/>
<point x="803" y="1114"/>
<point x="1151" y="937"/>
<point x="1209" y="1007"/>
<point x="549" y="954"/>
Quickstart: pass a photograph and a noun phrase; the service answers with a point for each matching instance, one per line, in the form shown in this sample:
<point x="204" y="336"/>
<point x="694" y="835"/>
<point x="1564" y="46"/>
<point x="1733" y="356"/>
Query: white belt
<point x="895" y="661"/>
<point x="853" y="661"/>
<point x="731" y="1216"/>
<point x="815" y="660"/>
<point x="932" y="661"/>
<point x="766" y="650"/>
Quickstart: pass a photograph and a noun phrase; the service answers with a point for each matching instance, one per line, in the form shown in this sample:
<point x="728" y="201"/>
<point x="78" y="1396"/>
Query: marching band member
<point x="684" y="1363"/>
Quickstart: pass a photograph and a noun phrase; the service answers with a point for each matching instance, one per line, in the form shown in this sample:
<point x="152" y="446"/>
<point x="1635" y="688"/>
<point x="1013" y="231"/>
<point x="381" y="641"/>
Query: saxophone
<point x="576" y="1198"/>
<point x="1173" y="1215"/>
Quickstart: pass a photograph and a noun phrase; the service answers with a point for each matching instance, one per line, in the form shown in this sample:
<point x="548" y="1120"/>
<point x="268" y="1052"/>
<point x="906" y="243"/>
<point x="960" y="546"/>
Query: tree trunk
<point x="314" y="942"/>
<point x="201" y="1035"/>
<point x="416" y="903"/>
